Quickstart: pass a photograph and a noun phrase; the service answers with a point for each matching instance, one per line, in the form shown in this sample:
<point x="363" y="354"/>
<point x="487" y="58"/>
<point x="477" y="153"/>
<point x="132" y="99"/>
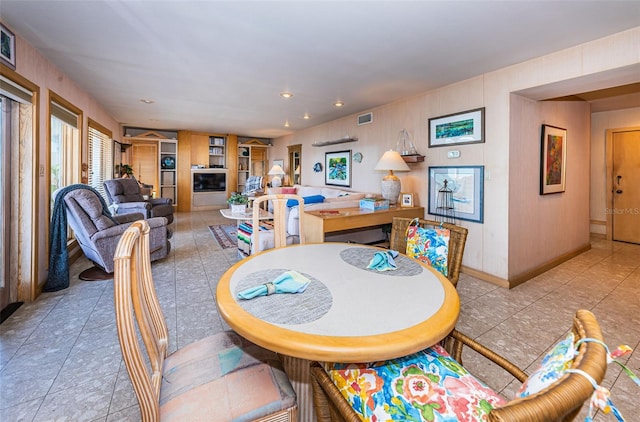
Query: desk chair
<point x="278" y="236"/>
<point x="559" y="401"/>
<point x="457" y="240"/>
<point x="219" y="378"/>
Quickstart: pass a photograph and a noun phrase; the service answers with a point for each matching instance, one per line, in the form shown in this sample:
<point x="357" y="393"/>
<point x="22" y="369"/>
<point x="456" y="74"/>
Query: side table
<point x="247" y="215"/>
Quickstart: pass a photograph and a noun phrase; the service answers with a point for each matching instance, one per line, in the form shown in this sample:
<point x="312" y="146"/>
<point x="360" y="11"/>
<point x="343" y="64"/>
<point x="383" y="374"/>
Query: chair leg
<point x="95" y="274"/>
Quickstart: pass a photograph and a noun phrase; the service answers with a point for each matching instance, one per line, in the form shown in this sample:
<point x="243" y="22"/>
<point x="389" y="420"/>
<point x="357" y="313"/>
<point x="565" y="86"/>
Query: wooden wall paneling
<point x="232" y="163"/>
<point x="184" y="171"/>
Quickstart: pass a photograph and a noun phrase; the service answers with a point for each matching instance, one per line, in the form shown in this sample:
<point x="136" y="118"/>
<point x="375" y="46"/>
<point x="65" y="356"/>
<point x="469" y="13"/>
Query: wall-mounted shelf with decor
<point x="337" y="141"/>
<point x="413" y="158"/>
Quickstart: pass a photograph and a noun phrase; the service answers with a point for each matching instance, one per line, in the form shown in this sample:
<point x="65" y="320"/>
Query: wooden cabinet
<point x="253" y="160"/>
<point x="154" y="159"/>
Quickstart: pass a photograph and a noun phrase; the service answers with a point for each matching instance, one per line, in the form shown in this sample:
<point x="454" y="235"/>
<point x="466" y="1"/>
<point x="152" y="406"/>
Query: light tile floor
<point x="60" y="359"/>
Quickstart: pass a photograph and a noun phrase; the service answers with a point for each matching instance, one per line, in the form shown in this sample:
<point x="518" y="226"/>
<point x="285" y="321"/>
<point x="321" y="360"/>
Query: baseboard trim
<point x="521" y="278"/>
<point x="501" y="282"/>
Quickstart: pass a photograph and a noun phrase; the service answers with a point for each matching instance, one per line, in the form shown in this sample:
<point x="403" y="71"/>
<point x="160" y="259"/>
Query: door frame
<point x="610" y="176"/>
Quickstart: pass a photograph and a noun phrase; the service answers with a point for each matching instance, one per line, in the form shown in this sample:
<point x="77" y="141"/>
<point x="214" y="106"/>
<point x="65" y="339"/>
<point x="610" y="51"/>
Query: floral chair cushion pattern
<point x="426" y="386"/>
<point x="552" y="367"/>
<point x="430" y="246"/>
<point x="559" y="361"/>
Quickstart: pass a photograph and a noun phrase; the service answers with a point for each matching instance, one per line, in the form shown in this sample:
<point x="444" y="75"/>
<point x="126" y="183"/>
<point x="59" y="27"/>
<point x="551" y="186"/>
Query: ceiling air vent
<point x="366" y="118"/>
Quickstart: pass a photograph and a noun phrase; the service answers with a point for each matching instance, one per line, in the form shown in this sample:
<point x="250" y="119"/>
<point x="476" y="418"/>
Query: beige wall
<point x="600" y="123"/>
<point x="589" y="66"/>
<point x="602" y="63"/>
<point x="33" y="66"/>
<point x="544" y="227"/>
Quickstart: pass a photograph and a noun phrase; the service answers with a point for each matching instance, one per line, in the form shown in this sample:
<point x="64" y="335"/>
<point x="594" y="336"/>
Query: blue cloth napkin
<point x="287" y="282"/>
<point x="383" y="261"/>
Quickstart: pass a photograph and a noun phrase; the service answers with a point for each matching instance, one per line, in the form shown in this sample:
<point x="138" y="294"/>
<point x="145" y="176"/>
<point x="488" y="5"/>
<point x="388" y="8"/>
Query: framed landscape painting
<point x="337" y="168"/>
<point x="553" y="160"/>
<point x="459" y="128"/>
<point x="457" y="192"/>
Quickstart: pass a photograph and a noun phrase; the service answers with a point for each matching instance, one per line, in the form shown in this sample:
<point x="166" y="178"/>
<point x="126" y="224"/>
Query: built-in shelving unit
<point x="169" y="170"/>
<point x="217" y="152"/>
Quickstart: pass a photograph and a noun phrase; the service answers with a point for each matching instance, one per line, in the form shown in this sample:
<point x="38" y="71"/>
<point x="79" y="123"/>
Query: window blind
<point x="100" y="159"/>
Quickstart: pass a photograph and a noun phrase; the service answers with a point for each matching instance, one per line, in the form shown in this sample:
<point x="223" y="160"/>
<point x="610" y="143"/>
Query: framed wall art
<point x="337" y="167"/>
<point x="7" y="47"/>
<point x="406" y="199"/>
<point x="459" y="128"/>
<point x="457" y="192"/>
<point x="553" y="159"/>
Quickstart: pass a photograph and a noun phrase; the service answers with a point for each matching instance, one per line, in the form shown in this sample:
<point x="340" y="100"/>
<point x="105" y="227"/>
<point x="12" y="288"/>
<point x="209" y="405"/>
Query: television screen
<point x="209" y="182"/>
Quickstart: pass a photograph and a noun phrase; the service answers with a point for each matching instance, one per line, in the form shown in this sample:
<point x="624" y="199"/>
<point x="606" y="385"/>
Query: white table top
<point x="348" y="313"/>
<point x="247" y="215"/>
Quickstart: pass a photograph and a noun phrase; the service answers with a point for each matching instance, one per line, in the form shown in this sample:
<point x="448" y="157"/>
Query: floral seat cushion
<point x="429" y="245"/>
<point x="426" y="386"/>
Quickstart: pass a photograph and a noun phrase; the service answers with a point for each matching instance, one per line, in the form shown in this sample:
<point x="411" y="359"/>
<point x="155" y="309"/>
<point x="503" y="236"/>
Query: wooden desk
<point x="317" y="223"/>
<point x="347" y="314"/>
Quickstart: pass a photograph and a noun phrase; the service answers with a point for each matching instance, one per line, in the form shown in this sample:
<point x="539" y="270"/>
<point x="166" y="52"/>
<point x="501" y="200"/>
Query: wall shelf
<point x="337" y="141"/>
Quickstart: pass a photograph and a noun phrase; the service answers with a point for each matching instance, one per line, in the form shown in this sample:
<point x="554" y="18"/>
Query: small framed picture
<point x="406" y="199"/>
<point x="7" y="47"/>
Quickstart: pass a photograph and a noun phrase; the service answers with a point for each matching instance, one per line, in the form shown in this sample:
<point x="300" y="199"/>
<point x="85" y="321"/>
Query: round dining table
<point x="348" y="312"/>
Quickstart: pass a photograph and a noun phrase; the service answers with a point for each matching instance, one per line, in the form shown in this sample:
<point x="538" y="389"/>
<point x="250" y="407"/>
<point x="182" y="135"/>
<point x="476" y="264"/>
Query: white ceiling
<point x="219" y="66"/>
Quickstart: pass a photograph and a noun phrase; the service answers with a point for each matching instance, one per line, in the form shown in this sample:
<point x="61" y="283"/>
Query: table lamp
<point x="390" y="186"/>
<point x="276" y="172"/>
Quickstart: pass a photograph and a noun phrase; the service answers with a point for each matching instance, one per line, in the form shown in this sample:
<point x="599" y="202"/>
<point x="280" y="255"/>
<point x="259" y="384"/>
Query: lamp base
<point x="390" y="188"/>
<point x="276" y="182"/>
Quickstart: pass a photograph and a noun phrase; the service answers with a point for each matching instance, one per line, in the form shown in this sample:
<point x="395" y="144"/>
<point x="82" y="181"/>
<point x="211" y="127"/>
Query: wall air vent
<point x="366" y="118"/>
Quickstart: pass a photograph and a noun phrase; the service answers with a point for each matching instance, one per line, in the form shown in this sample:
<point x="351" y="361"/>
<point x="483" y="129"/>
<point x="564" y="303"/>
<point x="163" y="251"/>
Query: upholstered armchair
<point x="98" y="234"/>
<point x="124" y="195"/>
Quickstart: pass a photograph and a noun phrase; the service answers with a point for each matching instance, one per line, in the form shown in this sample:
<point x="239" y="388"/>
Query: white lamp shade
<point x="391" y="160"/>
<point x="276" y="170"/>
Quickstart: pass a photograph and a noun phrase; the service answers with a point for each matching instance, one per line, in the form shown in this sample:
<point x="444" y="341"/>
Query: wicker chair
<point x="222" y="377"/>
<point x="398" y="242"/>
<point x="561" y="401"/>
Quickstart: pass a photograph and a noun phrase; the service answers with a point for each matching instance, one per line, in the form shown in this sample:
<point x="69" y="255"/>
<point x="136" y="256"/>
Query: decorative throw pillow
<point x="552" y="367"/>
<point x="426" y="386"/>
<point x="430" y="246"/>
<point x="288" y="190"/>
<point x="313" y="199"/>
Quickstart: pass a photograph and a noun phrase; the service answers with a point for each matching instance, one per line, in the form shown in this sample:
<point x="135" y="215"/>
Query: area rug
<point x="225" y="235"/>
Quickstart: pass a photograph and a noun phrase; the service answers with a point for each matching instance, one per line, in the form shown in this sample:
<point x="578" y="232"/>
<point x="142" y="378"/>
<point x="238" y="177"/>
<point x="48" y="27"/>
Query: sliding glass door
<point x="5" y="203"/>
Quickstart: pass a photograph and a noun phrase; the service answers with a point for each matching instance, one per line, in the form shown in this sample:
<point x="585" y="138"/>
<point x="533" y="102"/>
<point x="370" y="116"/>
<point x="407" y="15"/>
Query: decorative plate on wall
<point x="317" y="167"/>
<point x="357" y="157"/>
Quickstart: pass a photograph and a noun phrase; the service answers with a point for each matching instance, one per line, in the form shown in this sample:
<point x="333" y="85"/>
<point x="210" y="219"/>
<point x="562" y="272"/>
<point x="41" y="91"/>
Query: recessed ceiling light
<point x="146" y="101"/>
<point x="306" y="116"/>
<point x="286" y="94"/>
<point x="338" y="103"/>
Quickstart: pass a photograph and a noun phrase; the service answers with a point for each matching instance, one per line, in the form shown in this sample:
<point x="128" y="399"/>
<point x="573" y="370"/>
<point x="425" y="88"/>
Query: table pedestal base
<point x="298" y="371"/>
